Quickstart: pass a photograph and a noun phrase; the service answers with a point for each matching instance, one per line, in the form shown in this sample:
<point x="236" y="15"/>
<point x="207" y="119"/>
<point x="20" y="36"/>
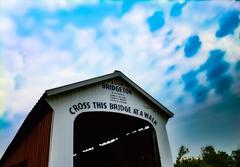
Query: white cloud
<point x="7" y="31"/>
<point x="20" y="6"/>
<point x="84" y="38"/>
<point x="64" y="4"/>
<point x="2" y="100"/>
<point x="54" y="58"/>
<point x="6" y="25"/>
<point x="12" y="5"/>
<point x="13" y="60"/>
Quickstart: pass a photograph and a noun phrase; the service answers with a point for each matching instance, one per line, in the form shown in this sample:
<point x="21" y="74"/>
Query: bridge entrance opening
<point x="105" y="139"/>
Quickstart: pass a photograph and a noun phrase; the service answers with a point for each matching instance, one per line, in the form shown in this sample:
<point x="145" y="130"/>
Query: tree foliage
<point x="182" y="151"/>
<point x="209" y="157"/>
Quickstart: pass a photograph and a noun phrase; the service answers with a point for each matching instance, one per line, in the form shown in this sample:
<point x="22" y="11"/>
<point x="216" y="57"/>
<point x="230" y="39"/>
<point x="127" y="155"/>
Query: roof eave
<point x="115" y="74"/>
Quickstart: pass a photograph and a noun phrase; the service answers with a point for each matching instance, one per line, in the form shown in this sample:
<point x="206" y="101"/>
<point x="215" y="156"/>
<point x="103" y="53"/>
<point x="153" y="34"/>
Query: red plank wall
<point x="35" y="147"/>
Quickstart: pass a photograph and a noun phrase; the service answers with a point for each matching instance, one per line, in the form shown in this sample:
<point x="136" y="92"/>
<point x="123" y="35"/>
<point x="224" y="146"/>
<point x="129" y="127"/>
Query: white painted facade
<point x="61" y="147"/>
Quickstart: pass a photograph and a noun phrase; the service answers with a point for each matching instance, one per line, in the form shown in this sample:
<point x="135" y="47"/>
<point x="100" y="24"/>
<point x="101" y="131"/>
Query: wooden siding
<point x="35" y="147"/>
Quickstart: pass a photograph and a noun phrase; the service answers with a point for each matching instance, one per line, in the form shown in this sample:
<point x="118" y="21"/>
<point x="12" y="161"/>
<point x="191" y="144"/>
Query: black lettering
<point x="107" y="86"/>
<point x="70" y="110"/>
<point x="150" y="117"/>
<point x="116" y="88"/>
<point x="111" y="106"/>
<point x="94" y="105"/>
<point x="104" y="105"/>
<point x="88" y="105"/>
<point x="80" y="106"/>
<point x="100" y="105"/>
<point x="146" y="115"/>
<point x="119" y="89"/>
<point x="75" y="107"/>
<point x="129" y="109"/>
<point x="135" y="111"/>
<point x="115" y="106"/>
<point x="119" y="107"/>
<point x="103" y="85"/>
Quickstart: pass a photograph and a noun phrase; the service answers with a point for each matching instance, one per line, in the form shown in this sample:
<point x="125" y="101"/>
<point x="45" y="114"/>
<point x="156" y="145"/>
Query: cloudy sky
<point x="186" y="54"/>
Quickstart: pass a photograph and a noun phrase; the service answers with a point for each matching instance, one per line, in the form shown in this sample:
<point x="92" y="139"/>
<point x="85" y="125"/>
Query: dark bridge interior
<point x="105" y="139"/>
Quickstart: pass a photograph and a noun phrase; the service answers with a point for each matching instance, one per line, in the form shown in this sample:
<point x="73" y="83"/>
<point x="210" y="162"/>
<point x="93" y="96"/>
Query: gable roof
<point x="42" y="107"/>
<point x="115" y="74"/>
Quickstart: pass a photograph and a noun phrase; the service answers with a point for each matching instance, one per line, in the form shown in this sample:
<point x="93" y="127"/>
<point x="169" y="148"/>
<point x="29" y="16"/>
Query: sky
<point x="186" y="54"/>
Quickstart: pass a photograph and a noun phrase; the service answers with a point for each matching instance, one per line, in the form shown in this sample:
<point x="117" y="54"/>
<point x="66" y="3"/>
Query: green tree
<point x="224" y="160"/>
<point x="209" y="155"/>
<point x="209" y="158"/>
<point x="236" y="157"/>
<point x="190" y="162"/>
<point x="183" y="150"/>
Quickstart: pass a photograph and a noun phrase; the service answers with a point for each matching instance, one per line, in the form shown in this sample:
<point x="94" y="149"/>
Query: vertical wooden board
<point x="35" y="147"/>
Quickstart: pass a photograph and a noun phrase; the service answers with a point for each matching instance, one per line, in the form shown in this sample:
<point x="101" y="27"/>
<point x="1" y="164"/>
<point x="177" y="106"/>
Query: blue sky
<point x="184" y="53"/>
